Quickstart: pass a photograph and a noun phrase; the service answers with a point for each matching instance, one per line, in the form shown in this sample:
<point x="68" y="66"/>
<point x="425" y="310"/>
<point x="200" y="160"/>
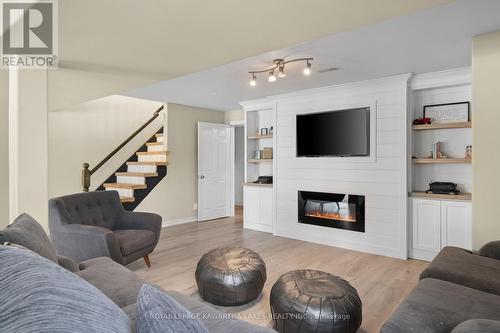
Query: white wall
<point x="383" y="180"/>
<point x="88" y="132"/>
<point x="239" y="164"/>
<point x="4" y="148"/>
<point x="486" y="136"/>
<point x="174" y="197"/>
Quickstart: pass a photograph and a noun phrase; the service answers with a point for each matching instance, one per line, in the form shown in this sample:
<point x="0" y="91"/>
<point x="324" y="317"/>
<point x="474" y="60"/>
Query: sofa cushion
<point x="39" y="296"/>
<point x="133" y="240"/>
<point x="216" y="321"/>
<point x="438" y="306"/>
<point x="491" y="250"/>
<point x="120" y="284"/>
<point x="478" y="326"/>
<point x="460" y="266"/>
<point x="27" y="232"/>
<point x="159" y="313"/>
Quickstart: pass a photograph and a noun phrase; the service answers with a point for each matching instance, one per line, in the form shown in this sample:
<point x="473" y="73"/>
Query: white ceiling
<point x="435" y="39"/>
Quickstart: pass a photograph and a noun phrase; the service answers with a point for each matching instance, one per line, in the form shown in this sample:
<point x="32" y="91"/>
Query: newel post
<point x="85" y="177"/>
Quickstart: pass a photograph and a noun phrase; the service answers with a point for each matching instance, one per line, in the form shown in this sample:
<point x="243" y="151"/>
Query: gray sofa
<point x="94" y="224"/>
<point x="115" y="281"/>
<point x="458" y="292"/>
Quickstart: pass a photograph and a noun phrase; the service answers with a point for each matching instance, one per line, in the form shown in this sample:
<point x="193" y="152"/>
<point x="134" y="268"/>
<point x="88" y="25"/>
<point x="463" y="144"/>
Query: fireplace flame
<point x="339" y="216"/>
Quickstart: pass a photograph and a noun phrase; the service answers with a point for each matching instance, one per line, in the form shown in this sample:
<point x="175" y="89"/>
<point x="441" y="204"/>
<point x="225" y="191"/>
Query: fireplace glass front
<point x="334" y="210"/>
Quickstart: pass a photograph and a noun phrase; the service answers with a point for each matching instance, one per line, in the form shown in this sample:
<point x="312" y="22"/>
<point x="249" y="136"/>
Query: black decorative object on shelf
<point x="443" y="188"/>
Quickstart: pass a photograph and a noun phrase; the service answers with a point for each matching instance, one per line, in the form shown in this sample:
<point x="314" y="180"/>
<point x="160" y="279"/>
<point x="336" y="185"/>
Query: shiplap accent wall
<point x="381" y="178"/>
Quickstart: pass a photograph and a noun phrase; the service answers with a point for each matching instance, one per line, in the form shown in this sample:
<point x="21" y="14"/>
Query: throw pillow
<point x="27" y="232"/>
<point x="37" y="295"/>
<point x="159" y="313"/>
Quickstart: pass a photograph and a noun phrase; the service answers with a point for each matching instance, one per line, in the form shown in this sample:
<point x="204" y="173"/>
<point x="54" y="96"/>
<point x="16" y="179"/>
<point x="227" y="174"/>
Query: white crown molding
<point x="448" y="78"/>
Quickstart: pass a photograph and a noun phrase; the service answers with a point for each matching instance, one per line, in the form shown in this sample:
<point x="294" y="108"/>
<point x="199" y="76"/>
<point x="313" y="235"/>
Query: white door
<point x="456" y="226"/>
<point x="426" y="225"/>
<point x="214" y="171"/>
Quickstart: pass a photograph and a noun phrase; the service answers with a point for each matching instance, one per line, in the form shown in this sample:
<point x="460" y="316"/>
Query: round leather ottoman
<point x="230" y="276"/>
<point x="314" y="301"/>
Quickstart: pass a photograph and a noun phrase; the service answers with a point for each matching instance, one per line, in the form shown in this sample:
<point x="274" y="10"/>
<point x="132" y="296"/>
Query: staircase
<point x="140" y="174"/>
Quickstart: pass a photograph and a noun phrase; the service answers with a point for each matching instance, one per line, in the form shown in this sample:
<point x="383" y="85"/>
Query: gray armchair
<point x="94" y="224"/>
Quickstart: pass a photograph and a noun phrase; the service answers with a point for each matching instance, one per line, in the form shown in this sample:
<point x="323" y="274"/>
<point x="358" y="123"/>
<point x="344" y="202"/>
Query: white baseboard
<point x="169" y="223"/>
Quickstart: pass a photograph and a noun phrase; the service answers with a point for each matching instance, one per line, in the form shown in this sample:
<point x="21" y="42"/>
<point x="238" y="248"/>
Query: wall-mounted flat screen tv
<point x="334" y="133"/>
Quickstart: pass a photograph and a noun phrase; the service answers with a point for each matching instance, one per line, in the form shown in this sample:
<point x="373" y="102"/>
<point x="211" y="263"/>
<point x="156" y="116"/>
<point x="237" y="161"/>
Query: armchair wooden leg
<point x="146" y="259"/>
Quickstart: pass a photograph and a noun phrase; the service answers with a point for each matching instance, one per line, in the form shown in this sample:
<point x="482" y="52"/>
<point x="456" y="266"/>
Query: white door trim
<point x="234" y="124"/>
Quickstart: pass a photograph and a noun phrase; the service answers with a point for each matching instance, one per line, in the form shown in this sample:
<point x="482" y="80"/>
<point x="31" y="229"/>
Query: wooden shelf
<point x="255" y="137"/>
<point x="458" y="197"/>
<point x="441" y="160"/>
<point x="262" y="160"/>
<point x="256" y="185"/>
<point x="442" y="126"/>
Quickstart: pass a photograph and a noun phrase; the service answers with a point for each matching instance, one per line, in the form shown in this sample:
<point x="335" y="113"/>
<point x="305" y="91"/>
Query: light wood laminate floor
<point x="382" y="282"/>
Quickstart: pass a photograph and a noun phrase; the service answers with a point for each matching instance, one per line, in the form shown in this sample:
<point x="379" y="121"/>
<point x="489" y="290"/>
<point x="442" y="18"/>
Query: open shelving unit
<point x="454" y="138"/>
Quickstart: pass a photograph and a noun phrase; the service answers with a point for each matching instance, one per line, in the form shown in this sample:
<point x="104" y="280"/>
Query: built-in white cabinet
<point x="258" y="208"/>
<point x="439" y="223"/>
<point x="260" y="146"/>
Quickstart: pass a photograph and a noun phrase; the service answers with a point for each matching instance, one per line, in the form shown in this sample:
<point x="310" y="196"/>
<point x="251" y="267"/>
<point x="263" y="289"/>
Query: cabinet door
<point x="456" y="226"/>
<point x="251" y="205"/>
<point x="266" y="207"/>
<point x="426" y="225"/>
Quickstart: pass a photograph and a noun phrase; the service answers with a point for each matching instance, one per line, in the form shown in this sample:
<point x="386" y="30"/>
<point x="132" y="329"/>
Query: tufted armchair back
<point x="99" y="208"/>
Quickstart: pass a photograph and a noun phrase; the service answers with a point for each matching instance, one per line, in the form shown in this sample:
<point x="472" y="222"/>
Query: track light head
<point x="281" y="71"/>
<point x="253" y="81"/>
<point x="272" y="77"/>
<point x="307" y="70"/>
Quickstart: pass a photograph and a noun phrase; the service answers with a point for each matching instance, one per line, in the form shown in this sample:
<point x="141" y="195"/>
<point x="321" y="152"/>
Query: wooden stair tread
<point x="125" y="185"/>
<point x="158" y="135"/>
<point x="137" y="174"/>
<point x="154" y="144"/>
<point x="147" y="163"/>
<point x="163" y="152"/>
<point x="127" y="199"/>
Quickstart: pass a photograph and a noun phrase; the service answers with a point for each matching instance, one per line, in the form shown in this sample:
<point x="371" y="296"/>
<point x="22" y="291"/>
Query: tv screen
<point x="334" y="133"/>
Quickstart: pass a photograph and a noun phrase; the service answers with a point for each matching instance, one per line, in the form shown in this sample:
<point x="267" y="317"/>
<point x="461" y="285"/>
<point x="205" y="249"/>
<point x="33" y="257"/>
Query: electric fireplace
<point x="334" y="210"/>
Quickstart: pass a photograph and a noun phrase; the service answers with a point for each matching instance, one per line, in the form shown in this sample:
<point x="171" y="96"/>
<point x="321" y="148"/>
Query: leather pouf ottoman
<point x="314" y="301"/>
<point x="230" y="276"/>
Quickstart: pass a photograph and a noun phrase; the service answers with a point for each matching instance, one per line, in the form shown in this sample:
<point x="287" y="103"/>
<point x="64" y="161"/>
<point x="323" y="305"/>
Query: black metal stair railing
<point x="87" y="173"/>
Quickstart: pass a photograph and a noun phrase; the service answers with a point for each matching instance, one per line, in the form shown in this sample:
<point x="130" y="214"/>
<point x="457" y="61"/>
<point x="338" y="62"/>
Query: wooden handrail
<point x="86" y="173"/>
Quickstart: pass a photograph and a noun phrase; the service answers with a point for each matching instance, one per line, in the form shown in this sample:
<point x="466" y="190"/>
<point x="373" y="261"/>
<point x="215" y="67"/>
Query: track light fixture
<point x="278" y="64"/>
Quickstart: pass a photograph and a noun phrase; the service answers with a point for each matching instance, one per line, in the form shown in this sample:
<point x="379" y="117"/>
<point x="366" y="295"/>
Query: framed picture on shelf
<point x="448" y="113"/>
